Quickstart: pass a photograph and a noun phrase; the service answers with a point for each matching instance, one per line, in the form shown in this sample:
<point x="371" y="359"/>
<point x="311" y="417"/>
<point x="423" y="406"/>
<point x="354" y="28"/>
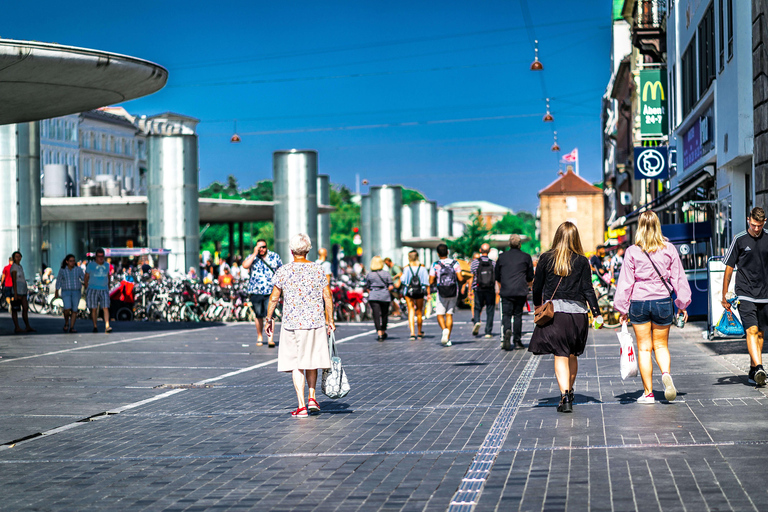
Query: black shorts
<point x="754" y="314"/>
<point x="7" y="292"/>
<point x="259" y="303"/>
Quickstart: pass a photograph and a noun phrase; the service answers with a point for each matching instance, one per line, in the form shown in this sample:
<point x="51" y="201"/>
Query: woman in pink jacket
<point x="651" y="272"/>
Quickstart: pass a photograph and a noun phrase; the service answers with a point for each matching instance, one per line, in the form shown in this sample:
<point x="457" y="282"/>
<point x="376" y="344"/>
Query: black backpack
<point x="447" y="283"/>
<point x="415" y="288"/>
<point x="485" y="275"/>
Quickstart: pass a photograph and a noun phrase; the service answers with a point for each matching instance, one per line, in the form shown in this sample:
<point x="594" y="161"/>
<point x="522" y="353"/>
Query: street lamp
<point x="536" y="65"/>
<point x="235" y="137"/>
<point x="555" y="146"/>
<point x="548" y="117"/>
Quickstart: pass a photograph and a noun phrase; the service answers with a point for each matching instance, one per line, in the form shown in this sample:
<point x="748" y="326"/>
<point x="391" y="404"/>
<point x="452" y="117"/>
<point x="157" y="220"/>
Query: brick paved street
<point x="405" y="438"/>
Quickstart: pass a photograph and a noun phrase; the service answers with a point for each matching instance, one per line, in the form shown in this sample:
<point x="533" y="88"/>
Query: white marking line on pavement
<point x="471" y="487"/>
<point x="167" y="393"/>
<point x="106" y="344"/>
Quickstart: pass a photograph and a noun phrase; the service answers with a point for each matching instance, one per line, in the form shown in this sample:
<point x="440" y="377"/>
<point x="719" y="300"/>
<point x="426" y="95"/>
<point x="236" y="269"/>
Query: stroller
<point x="121" y="302"/>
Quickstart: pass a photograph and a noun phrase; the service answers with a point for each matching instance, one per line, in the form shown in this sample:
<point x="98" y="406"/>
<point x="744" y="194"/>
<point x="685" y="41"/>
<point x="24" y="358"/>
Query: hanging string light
<point x="555" y="146"/>
<point x="548" y="116"/>
<point x="235" y="137"/>
<point x="536" y="65"/>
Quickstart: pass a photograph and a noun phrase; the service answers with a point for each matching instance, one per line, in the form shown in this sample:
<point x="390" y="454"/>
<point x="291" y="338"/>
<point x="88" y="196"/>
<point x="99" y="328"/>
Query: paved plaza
<point x="195" y="417"/>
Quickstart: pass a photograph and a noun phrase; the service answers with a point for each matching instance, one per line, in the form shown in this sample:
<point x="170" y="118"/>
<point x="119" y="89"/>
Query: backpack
<point x="415" y="288"/>
<point x="447" y="284"/>
<point x="485" y="275"/>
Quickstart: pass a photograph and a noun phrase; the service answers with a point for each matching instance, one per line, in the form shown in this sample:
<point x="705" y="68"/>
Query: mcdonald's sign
<point x="653" y="102"/>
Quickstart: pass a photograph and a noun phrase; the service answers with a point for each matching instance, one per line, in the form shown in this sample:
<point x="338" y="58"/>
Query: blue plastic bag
<point x="730" y="325"/>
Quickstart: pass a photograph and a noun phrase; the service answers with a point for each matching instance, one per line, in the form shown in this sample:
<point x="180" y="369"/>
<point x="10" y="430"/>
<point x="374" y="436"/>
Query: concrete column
<point x="173" y="215"/>
<point x="386" y="209"/>
<point x="20" y="215"/>
<point x="760" y="102"/>
<point x="64" y="237"/>
<point x="324" y="219"/>
<point x="365" y="230"/>
<point x="295" y="186"/>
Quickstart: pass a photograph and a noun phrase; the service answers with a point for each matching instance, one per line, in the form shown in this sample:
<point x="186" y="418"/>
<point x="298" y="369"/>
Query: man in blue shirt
<point x="97" y="289"/>
<point x="262" y="264"/>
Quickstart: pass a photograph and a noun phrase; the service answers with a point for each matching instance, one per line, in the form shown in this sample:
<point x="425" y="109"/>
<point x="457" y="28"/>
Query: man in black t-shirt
<point x="596" y="262"/>
<point x="748" y="254"/>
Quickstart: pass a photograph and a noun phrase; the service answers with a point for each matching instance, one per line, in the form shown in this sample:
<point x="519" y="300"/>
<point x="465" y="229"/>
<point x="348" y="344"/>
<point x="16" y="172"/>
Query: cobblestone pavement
<point x="197" y="418"/>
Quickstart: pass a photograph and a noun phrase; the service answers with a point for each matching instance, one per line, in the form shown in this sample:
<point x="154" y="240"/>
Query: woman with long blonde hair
<point x="563" y="276"/>
<point x="652" y="270"/>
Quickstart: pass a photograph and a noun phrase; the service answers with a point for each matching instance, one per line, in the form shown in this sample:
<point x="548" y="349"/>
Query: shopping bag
<point x="335" y="383"/>
<point x="628" y="358"/>
<point x="730" y="325"/>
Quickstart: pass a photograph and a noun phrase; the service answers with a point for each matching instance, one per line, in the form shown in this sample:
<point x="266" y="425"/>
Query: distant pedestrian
<point x="445" y="275"/>
<point x="483" y="286"/>
<point x="96" y="285"/>
<point x="652" y="270"/>
<point x="7" y="281"/>
<point x="514" y="273"/>
<point x="19" y="293"/>
<point x="380" y="286"/>
<point x="225" y="278"/>
<point x="262" y="264"/>
<point x="616" y="263"/>
<point x="416" y="286"/>
<point x="598" y="265"/>
<point x="69" y="283"/>
<point x="395" y="272"/>
<point x="307" y="321"/>
<point x="748" y="254"/>
<point x="322" y="260"/>
<point x="563" y="277"/>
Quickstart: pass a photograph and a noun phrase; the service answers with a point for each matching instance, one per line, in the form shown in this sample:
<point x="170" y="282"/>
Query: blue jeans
<point x="659" y="311"/>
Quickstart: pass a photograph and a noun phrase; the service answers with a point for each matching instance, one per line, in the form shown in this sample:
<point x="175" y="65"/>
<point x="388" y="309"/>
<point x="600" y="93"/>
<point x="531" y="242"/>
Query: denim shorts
<point x="71" y="299"/>
<point x="659" y="311"/>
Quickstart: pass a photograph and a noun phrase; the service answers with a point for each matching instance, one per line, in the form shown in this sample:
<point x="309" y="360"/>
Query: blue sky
<point x="435" y="96"/>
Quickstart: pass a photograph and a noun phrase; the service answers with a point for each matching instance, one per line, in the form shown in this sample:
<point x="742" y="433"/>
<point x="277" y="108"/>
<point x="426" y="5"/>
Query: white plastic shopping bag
<point x="628" y="355"/>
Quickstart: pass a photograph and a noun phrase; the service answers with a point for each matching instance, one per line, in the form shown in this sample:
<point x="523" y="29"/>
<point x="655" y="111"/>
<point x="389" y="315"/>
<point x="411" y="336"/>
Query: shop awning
<point x="663" y="201"/>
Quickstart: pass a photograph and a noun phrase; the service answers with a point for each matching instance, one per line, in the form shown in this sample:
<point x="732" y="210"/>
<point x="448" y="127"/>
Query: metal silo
<point x="406" y="232"/>
<point x="444" y="223"/>
<point x="324" y="219"/>
<point x="295" y="185"/>
<point x="386" y="211"/>
<point x="173" y="215"/>
<point x="55" y="180"/>
<point x="20" y="212"/>
<point x="365" y="229"/>
<point x="424" y="219"/>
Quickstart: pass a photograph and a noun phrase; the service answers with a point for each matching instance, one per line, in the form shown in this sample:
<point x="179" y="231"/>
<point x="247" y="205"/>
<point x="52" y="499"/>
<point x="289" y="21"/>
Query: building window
<point x="730" y="29"/>
<point x="707" y="50"/>
<point x="98" y="167"/>
<point x="690" y="91"/>
<point x="721" y="33"/>
<point x="87" y="168"/>
<point x="109" y="168"/>
<point x="104" y="146"/>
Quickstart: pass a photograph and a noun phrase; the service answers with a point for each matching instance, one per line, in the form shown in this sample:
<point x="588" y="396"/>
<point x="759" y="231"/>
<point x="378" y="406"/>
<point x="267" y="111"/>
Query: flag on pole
<point x="571" y="157"/>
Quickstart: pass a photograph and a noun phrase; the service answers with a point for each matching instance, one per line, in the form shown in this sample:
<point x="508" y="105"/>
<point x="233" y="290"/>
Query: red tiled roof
<point x="570" y="183"/>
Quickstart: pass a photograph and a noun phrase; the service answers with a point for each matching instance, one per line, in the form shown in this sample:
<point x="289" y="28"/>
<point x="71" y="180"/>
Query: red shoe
<point x="312" y="405"/>
<point x="301" y="412"/>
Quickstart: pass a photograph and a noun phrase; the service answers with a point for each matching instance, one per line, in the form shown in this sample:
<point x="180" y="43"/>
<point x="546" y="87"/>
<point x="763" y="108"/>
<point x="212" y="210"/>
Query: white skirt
<point x="303" y="349"/>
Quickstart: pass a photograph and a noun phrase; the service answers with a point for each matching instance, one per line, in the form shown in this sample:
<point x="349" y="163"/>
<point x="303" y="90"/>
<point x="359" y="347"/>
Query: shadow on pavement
<point x="733" y="379"/>
<point x="726" y="346"/>
<point x="577" y="399"/>
<point x="48" y="325"/>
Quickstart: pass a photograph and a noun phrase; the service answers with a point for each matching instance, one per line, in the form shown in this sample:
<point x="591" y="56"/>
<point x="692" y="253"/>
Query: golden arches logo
<point x="653" y="86"/>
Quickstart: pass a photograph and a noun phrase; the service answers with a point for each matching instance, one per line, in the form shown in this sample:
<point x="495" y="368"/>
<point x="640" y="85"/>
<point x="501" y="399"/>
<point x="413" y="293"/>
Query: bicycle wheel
<point x="38" y="303"/>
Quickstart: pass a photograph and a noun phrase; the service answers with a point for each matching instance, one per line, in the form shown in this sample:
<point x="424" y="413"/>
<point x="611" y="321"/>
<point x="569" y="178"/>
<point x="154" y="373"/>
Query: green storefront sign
<point x="653" y="102"/>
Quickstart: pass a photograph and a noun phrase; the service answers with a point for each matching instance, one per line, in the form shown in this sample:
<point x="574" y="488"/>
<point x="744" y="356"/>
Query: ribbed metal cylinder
<point x="295" y="189"/>
<point x="424" y="219"/>
<point x="386" y="211"/>
<point x="365" y="229"/>
<point x="20" y="213"/>
<point x="173" y="215"/>
<point x="444" y="223"/>
<point x="55" y="180"/>
<point x="324" y="219"/>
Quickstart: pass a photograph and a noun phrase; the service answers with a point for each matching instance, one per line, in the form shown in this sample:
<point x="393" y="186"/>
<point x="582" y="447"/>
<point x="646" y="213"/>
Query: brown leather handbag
<point x="544" y="314"/>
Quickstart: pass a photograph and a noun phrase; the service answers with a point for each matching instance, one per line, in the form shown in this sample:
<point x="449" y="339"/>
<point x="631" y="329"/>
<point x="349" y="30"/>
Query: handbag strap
<point x="556" y="287"/>
<point x="332" y="344"/>
<point x="664" y="281"/>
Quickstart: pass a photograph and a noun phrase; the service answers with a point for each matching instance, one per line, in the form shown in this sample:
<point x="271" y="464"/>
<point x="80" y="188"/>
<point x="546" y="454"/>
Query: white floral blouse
<point x="302" y="285"/>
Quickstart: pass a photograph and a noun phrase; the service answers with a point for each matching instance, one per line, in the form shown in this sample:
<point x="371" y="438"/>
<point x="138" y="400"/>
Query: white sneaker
<point x="647" y="399"/>
<point x="670" y="393"/>
<point x="476" y="329"/>
<point x="444" y="339"/>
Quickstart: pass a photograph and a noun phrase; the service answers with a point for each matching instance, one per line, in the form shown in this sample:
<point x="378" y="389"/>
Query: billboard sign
<point x="651" y="163"/>
<point x="692" y="150"/>
<point x="653" y="102"/>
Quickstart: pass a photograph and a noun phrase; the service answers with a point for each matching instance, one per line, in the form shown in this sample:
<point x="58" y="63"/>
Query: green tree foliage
<point x="346" y="217"/>
<point x="412" y="196"/>
<point x="472" y="238"/>
<point x="523" y="223"/>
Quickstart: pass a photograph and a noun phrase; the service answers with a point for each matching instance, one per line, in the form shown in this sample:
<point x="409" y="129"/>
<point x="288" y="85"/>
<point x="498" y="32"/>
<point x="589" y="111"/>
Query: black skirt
<point x="565" y="335"/>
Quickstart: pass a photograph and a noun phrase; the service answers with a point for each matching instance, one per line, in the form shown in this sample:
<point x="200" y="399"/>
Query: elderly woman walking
<point x="563" y="276"/>
<point x="380" y="286"/>
<point x="307" y="321"/>
<point x="652" y="270"/>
